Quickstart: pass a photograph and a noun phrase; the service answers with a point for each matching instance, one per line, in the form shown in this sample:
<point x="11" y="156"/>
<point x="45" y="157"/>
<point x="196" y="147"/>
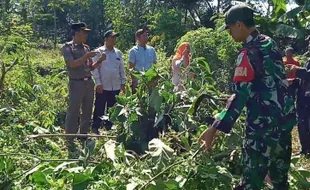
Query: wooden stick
<point x="69" y="135"/>
<point x="43" y="159"/>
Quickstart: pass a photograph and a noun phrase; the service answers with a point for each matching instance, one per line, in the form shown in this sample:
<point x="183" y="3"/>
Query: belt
<point x="82" y="79"/>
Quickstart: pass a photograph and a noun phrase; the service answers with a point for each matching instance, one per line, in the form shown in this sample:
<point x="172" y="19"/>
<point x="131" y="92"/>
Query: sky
<point x="288" y="6"/>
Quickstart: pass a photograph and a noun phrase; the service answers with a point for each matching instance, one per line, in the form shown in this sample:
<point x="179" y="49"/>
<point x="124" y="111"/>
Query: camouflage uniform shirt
<point x="260" y="84"/>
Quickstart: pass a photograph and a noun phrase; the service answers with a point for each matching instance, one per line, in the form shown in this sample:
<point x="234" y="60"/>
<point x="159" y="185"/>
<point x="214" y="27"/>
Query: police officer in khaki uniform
<point x="81" y="86"/>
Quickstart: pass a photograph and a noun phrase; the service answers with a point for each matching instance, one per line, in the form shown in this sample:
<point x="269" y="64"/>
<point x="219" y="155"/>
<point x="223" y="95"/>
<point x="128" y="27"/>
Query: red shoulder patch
<point x="244" y="71"/>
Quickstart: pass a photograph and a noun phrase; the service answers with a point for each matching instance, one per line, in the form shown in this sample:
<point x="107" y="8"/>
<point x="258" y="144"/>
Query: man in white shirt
<point x="141" y="56"/>
<point x="109" y="79"/>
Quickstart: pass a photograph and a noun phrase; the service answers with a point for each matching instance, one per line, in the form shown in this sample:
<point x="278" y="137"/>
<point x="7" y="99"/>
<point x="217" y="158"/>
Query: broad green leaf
<point x="80" y="181"/>
<point x="39" y="177"/>
<point x="159" y="118"/>
<point x="160" y="152"/>
<point x="181" y="180"/>
<point x="121" y="99"/>
<point x="123" y="111"/>
<point x="171" y="185"/>
<point x="109" y="148"/>
<point x="131" y="186"/>
<point x="156" y="100"/>
<point x="158" y="185"/>
<point x="291" y="14"/>
<point x="53" y="144"/>
<point x="115" y="111"/>
<point x="150" y="74"/>
<point x="289" y="31"/>
<point x="133" y="117"/>
<point x="295" y="159"/>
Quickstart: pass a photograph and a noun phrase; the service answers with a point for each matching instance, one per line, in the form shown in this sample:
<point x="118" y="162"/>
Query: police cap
<point x="110" y="33"/>
<point x="80" y="26"/>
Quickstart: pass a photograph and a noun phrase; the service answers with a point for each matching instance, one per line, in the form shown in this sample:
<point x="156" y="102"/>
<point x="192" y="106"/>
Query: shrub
<point x="218" y="49"/>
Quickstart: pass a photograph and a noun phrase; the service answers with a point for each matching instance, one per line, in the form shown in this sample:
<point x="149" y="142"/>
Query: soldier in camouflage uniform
<point x="260" y="84"/>
<point x="81" y="86"/>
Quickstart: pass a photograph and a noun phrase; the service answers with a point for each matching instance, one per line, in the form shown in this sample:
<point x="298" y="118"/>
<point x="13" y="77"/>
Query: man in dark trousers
<point x="81" y="86"/>
<point x="303" y="110"/>
<point x="109" y="78"/>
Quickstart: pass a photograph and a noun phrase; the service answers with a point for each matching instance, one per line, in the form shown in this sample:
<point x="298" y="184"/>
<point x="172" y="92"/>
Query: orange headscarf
<point x="179" y="53"/>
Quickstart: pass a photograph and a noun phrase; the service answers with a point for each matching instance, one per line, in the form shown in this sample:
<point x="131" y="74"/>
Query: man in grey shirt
<point x="81" y="87"/>
<point x="141" y="56"/>
<point x="109" y="78"/>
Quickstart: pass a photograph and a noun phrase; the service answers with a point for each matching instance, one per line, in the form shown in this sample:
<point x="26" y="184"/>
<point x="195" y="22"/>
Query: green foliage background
<point x="33" y="94"/>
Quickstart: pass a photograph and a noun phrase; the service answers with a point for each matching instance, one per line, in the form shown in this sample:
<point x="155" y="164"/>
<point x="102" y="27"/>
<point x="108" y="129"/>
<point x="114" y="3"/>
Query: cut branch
<point x="43" y="159"/>
<point x="15" y="62"/>
<point x="69" y="135"/>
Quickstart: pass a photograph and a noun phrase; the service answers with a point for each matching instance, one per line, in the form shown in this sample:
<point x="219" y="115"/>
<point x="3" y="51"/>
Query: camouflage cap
<point x="240" y="12"/>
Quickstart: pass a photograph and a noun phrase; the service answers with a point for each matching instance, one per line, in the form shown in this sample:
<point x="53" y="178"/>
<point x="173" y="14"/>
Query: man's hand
<point x="97" y="64"/>
<point x="207" y="137"/>
<point x="291" y="69"/>
<point x="290" y="81"/>
<point x="186" y="51"/>
<point x="99" y="89"/>
<point x="102" y="57"/>
<point x="154" y="84"/>
<point x="123" y="88"/>
<point x="91" y="54"/>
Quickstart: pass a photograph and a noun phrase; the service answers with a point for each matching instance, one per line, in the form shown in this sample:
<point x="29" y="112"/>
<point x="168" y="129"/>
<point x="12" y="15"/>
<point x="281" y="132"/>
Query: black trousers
<point x="304" y="129"/>
<point x="107" y="99"/>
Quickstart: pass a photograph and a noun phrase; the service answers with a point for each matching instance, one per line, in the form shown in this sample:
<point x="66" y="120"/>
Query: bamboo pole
<point x="69" y="135"/>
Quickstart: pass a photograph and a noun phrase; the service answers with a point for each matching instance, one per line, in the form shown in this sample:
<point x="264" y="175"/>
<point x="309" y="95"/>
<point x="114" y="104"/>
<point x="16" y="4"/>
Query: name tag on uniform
<point x="241" y="71"/>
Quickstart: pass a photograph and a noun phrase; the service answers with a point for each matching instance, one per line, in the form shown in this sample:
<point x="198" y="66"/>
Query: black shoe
<point x="96" y="131"/>
<point x="73" y="151"/>
<point x="82" y="139"/>
<point x="108" y="125"/>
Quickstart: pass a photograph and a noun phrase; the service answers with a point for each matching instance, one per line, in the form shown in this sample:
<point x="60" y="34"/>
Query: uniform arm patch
<point x="244" y="71"/>
<point x="67" y="53"/>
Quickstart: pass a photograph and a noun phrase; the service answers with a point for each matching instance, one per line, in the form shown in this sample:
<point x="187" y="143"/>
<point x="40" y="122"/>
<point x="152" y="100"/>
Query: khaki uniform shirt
<point x="72" y="51"/>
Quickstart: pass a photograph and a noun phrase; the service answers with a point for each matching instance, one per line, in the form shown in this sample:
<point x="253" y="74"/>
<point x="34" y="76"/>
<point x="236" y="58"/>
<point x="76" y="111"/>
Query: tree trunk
<point x="3" y="73"/>
<point x="55" y="26"/>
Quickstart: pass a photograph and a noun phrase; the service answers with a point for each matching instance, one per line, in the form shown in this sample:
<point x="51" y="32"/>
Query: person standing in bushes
<point x="290" y="60"/>
<point x="260" y="84"/>
<point x="302" y="84"/>
<point x="81" y="86"/>
<point x="141" y="56"/>
<point x="181" y="57"/>
<point x="109" y="78"/>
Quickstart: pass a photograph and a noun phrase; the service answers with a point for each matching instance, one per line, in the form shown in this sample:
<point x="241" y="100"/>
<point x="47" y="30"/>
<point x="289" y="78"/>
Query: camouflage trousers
<point x="266" y="155"/>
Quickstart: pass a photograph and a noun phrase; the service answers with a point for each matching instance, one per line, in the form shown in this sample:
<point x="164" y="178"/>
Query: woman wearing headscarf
<point x="181" y="58"/>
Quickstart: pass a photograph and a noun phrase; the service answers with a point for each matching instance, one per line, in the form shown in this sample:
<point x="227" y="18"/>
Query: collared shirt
<point x="142" y="58"/>
<point x="111" y="73"/>
<point x="72" y="51"/>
